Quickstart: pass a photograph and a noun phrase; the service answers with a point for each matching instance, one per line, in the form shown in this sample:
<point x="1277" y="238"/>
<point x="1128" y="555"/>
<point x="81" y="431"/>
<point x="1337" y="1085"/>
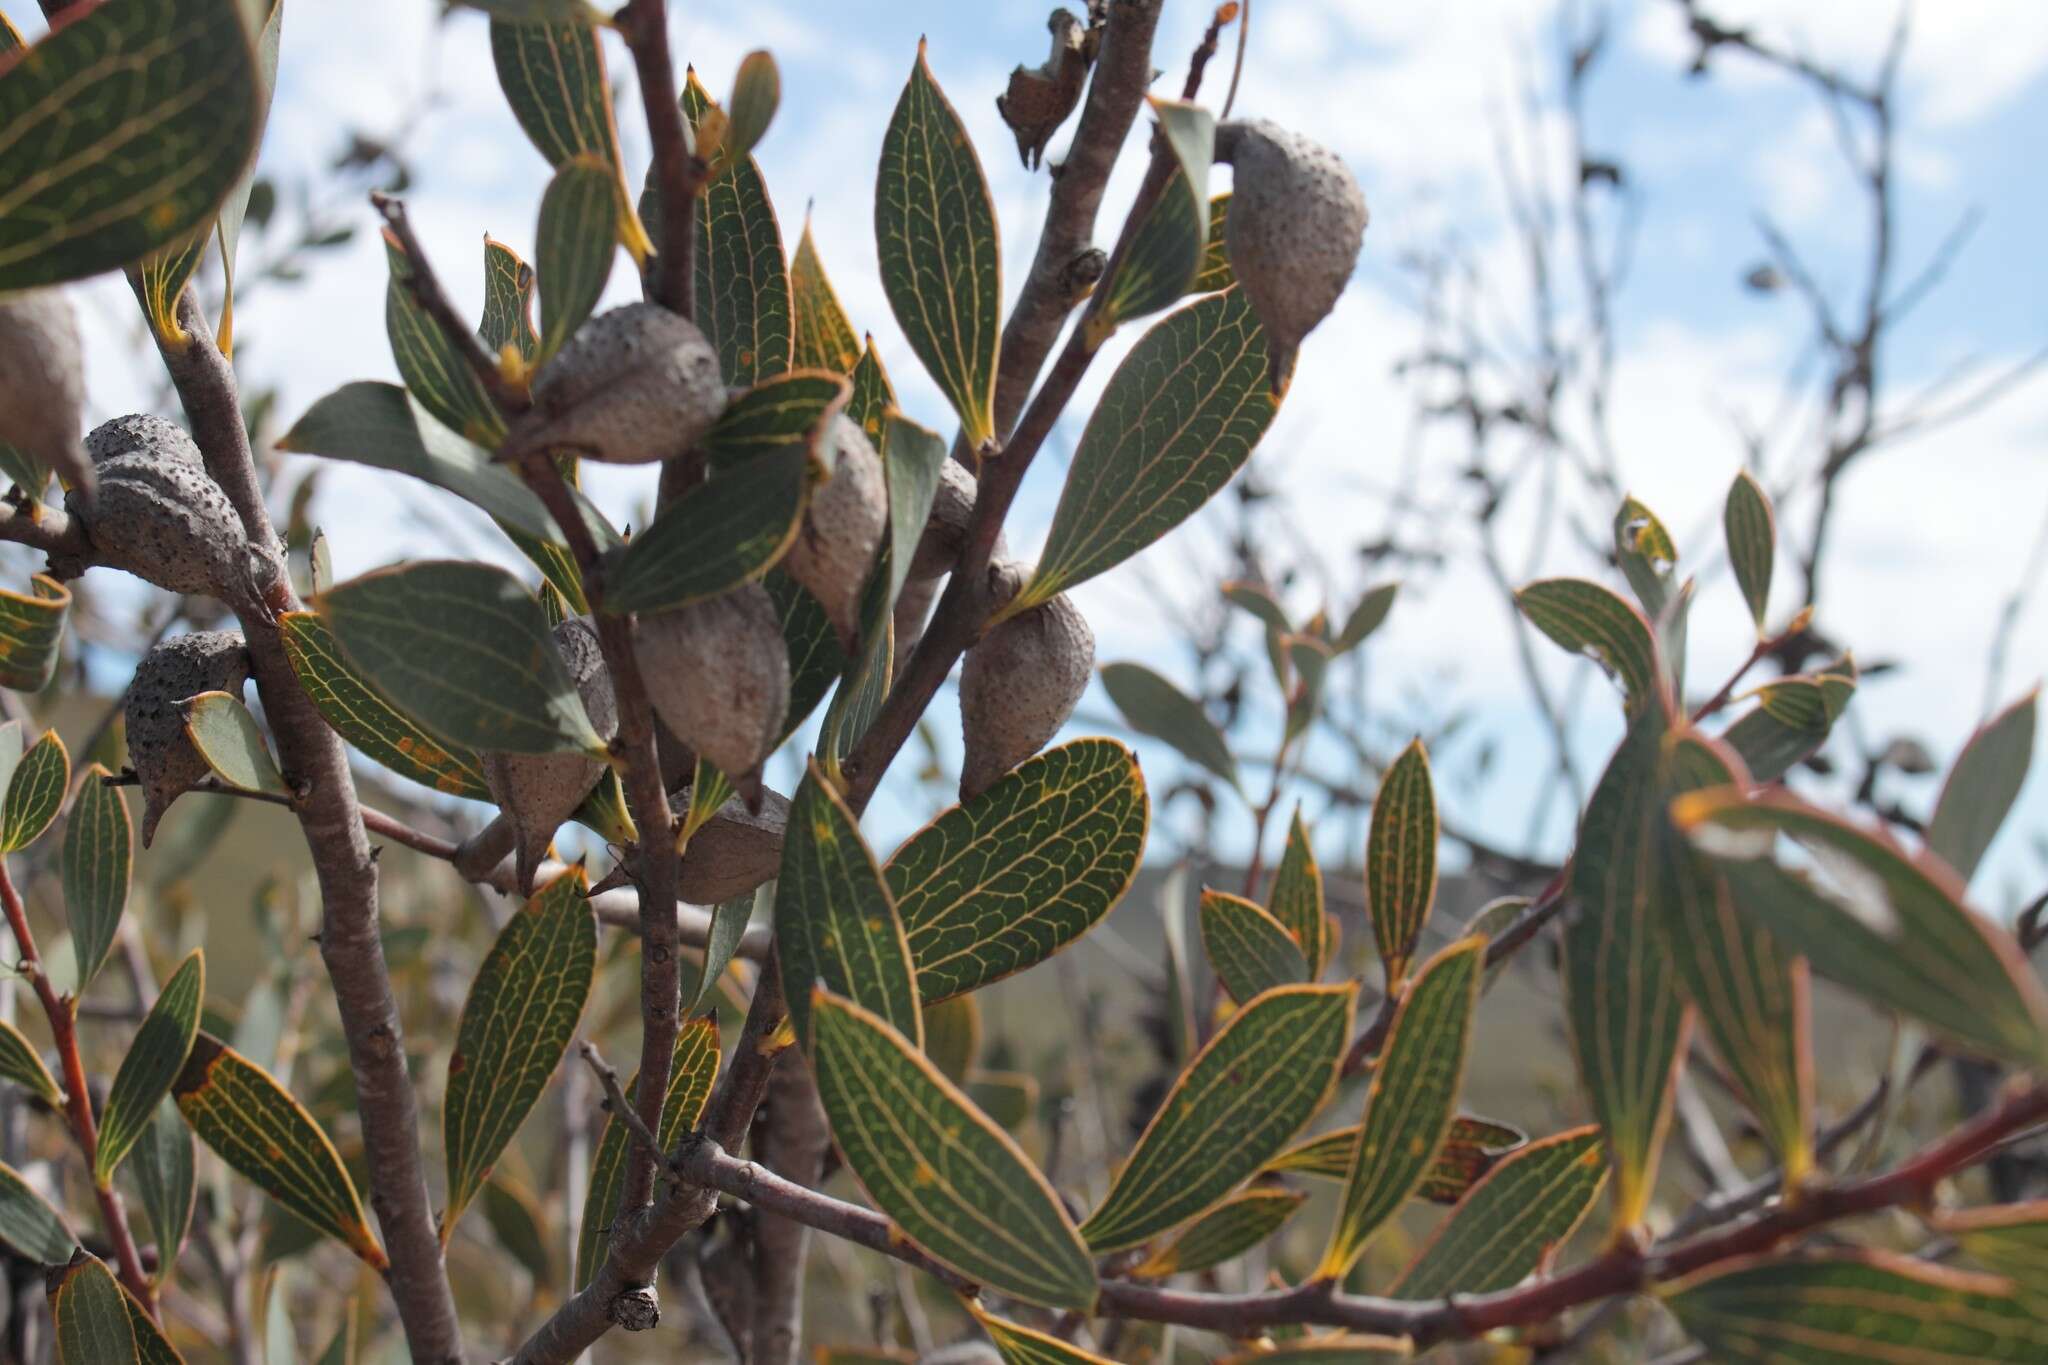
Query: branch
<point x="351" y="944"/>
<point x="791" y="1139"/>
<point x="678" y="172"/>
<point x="615" y="1098"/>
<point x="425" y="287"/>
<point x="46" y="528"/>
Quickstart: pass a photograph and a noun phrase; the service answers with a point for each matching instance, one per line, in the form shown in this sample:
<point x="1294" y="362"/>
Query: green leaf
<point x="1284" y="1047"/>
<point x="1587" y="619"/>
<point x="1622" y="1008"/>
<point x="941" y="260"/>
<point x="227" y="737"/>
<point x="522" y="1010"/>
<point x="835" y="921"/>
<point x="516" y="1221"/>
<point x="1471" y="1148"/>
<point x="742" y="284"/>
<point x="535" y="11"/>
<point x="24" y="473"/>
<point x="1752" y="532"/>
<point x="815" y="660"/>
<point x="1982" y="786"/>
<point x="872" y="396"/>
<point x="952" y="1036"/>
<point x="90" y="1315"/>
<point x="1749" y="993"/>
<point x="1215" y="275"/>
<point x="235" y="208"/>
<point x="126" y="127"/>
<point x="1002" y="882"/>
<point x="729" y="920"/>
<point x="865" y="684"/>
<point x="381" y="426"/>
<point x="1647" y="555"/>
<point x="912" y="458"/>
<point x="1224" y="1233"/>
<point x="363" y="718"/>
<point x="164" y="273"/>
<point x="1888" y="924"/>
<point x="508" y="302"/>
<point x="22" y="1064"/>
<point x="1024" y="1346"/>
<point x="725" y="532"/>
<point x="1251" y="951"/>
<point x="434" y="370"/>
<point x="2010" y="1239"/>
<point x="693" y="1068"/>
<point x="1400" y="859"/>
<point x="31" y="627"/>
<point x="1258" y="599"/>
<point x="464" y="649"/>
<point x="575" y="246"/>
<point x="823" y="338"/>
<point x="254" y="1125"/>
<point x="1791" y="721"/>
<point x="35" y="793"/>
<point x="781" y="409"/>
<point x="1852" y="1307"/>
<point x="1165" y="255"/>
<point x="1413" y="1098"/>
<point x="11" y="40"/>
<point x="99" y="865"/>
<point x="1511" y="1220"/>
<point x="756" y="91"/>
<point x="1366" y="617"/>
<point x="955" y="1184"/>
<point x="162" y="1165"/>
<point x="154" y="1060"/>
<point x="1153" y="706"/>
<point x="1296" y="900"/>
<point x="28" y="1223"/>
<point x="1179" y="417"/>
<point x="1309" y="659"/>
<point x="553" y="76"/>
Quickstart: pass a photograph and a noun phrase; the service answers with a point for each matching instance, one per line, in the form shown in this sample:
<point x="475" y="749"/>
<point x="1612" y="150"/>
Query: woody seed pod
<point x="42" y="383"/>
<point x="945" y="530"/>
<point x="160" y="516"/>
<point x="635" y="385"/>
<point x="140" y="433"/>
<point x="734" y="851"/>
<point x="1020" y="682"/>
<point x="842" y="531"/>
<point x="537" y="792"/>
<point x="717" y="672"/>
<point x="1297" y="220"/>
<point x="160" y="751"/>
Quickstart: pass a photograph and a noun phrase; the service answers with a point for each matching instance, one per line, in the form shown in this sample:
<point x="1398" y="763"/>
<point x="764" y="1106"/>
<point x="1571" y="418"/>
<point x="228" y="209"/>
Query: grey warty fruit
<point x="539" y="791"/>
<point x="717" y="672"/>
<point x="945" y="530"/>
<point x="1020" y="682"/>
<point x="42" y="383"/>
<point x="1297" y="221"/>
<point x="635" y="385"/>
<point x="160" y="516"/>
<point x="842" y="529"/>
<point x="735" y="851"/>
<point x="177" y="670"/>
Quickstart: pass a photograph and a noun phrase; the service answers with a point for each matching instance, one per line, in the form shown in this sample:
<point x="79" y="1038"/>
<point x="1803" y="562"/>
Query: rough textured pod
<point x="735" y="851"/>
<point x="141" y="433"/>
<point x="160" y="516"/>
<point x="945" y="530"/>
<point x="42" y="383"/>
<point x="1020" y="682"/>
<point x="1297" y="221"/>
<point x="718" y="674"/>
<point x="635" y="385"/>
<point x="842" y="531"/>
<point x="160" y="751"/>
<point x="537" y="792"/>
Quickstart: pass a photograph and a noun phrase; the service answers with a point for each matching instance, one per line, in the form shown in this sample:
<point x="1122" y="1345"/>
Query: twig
<point x="678" y="172"/>
<point x="1764" y="649"/>
<point x="425" y="287"/>
<point x="615" y="1098"/>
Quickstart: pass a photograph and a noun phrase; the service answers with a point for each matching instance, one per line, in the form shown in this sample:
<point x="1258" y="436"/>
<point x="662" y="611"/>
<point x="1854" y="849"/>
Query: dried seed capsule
<point x="945" y="530"/>
<point x="718" y="674"/>
<point x="42" y="383"/>
<point x="160" y="751"/>
<point x="140" y="433"/>
<point x="734" y="851"/>
<point x="635" y="385"/>
<point x="842" y="531"/>
<point x="539" y="791"/>
<point x="158" y="515"/>
<point x="1297" y="220"/>
<point x="1020" y="682"/>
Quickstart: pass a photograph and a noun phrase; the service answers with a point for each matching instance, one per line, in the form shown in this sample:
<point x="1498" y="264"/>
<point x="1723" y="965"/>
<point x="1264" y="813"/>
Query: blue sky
<point x="1932" y="534"/>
